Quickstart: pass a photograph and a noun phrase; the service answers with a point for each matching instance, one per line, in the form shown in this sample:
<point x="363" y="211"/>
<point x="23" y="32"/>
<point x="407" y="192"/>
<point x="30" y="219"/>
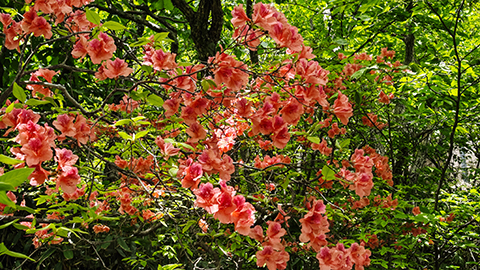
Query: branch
<point x="64" y="91"/>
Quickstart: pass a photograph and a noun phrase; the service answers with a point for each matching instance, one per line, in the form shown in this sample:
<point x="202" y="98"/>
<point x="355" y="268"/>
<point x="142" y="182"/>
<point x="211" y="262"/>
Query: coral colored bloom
<point x="27" y="21"/>
<point x="117" y="68"/>
<point x="80" y="48"/>
<point x="342" y="108"/>
<point x="192" y="173"/>
<point x="243" y="217"/>
<point x="163" y="60"/>
<point x="281" y="138"/>
<point x="64" y="124"/>
<point x="196" y="132"/>
<point x="416" y="211"/>
<point x="206" y="198"/>
<point x="38" y="176"/>
<point x="292" y="111"/>
<point x="40" y="26"/>
<point x="101" y="49"/>
<point x="256" y="233"/>
<point x="384" y="98"/>
<point x="239" y="16"/>
<point x="6" y="20"/>
<point x="65" y="158"/>
<point x="100" y="228"/>
<point x="225" y="203"/>
<point x="12" y="40"/>
<point x="171" y="106"/>
<point x="167" y="149"/>
<point x="274" y="259"/>
<point x="229" y="71"/>
<point x="68" y="179"/>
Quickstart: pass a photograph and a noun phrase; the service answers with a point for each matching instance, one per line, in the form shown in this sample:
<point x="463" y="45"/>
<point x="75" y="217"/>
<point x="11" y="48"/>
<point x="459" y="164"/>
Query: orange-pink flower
<point x="239" y="16"/>
<point x="225" y="203"/>
<point x="80" y="48"/>
<point x="117" y="68"/>
<point x="38" y="176"/>
<point x="292" y="111"/>
<point x="342" y="108"/>
<point x="102" y="48"/>
<point x="192" y="173"/>
<point x="243" y="216"/>
<point x="416" y="211"/>
<point x="229" y="71"/>
<point x="196" y="132"/>
<point x="68" y="179"/>
<point x="206" y="197"/>
<point x="162" y="60"/>
<point x="274" y="259"/>
<point x="65" y="158"/>
<point x="12" y="41"/>
<point x="64" y="124"/>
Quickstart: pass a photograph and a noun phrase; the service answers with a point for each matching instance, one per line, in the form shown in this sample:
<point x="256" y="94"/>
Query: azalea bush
<point x="120" y="154"/>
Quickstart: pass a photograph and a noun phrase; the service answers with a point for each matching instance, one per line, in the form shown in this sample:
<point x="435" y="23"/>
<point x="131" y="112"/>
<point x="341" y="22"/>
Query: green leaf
<point x="125" y="135"/>
<point x="8" y="224"/>
<point x="16" y="177"/>
<point x="5" y="200"/>
<point x="138" y="118"/>
<point x="167" y="4"/>
<point x="341" y="41"/>
<point x="19" y="93"/>
<point x="122" y="244"/>
<point x="36" y="102"/>
<point x="51" y="100"/>
<point x="6" y="186"/>
<point x="187" y="146"/>
<point x="160" y="36"/>
<point x="188" y="225"/>
<point x="140" y="42"/>
<point x="358" y="74"/>
<point x="364" y="17"/>
<point x="185" y="64"/>
<point x="205" y="85"/>
<point x="10" y="107"/>
<point x="4" y="251"/>
<point x="8" y="160"/>
<point x="141" y="134"/>
<point x="20" y="226"/>
<point x="155" y="100"/>
<point x="112" y="25"/>
<point x="285" y="183"/>
<point x="344" y="143"/>
<point x="169" y="266"/>
<point x="122" y="122"/>
<point x="92" y="16"/>
<point x="173" y="172"/>
<point x="68" y="254"/>
<point x="314" y="139"/>
<point x="328" y="174"/>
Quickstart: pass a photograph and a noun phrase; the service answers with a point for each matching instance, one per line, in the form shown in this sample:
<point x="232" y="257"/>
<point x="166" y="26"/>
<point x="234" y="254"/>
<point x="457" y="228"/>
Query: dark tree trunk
<point x="206" y="24"/>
